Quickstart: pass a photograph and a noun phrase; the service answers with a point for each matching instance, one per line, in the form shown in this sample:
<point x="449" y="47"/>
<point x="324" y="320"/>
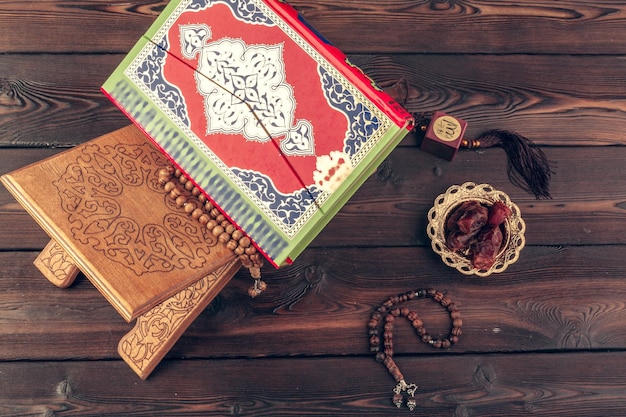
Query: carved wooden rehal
<point x="108" y="217"/>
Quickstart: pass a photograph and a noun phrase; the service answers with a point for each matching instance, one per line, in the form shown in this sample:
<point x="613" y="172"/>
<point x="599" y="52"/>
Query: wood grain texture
<point x="447" y="26"/>
<point x="483" y="26"/>
<point x="54" y="100"/>
<point x="156" y="331"/>
<point x="68" y="26"/>
<point x="390" y="209"/>
<point x="102" y="203"/>
<point x="545" y="338"/>
<point x="50" y="100"/>
<point x="468" y="385"/>
<point x="56" y="265"/>
<point x="552" y="299"/>
<point x="573" y="100"/>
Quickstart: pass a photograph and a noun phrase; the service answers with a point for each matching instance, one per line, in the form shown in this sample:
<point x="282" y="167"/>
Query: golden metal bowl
<point x="512" y="237"/>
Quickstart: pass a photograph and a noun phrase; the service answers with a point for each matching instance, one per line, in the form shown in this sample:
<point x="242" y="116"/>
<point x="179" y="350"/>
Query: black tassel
<point x="528" y="166"/>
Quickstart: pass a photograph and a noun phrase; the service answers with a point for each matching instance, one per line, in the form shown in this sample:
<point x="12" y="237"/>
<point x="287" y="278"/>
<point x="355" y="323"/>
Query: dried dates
<point x="475" y="230"/>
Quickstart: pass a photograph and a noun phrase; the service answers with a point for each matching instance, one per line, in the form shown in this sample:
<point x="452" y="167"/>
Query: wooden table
<point x="547" y="337"/>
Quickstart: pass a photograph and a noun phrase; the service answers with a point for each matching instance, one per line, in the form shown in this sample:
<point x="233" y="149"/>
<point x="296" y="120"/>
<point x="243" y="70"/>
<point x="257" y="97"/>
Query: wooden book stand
<point x="108" y="218"/>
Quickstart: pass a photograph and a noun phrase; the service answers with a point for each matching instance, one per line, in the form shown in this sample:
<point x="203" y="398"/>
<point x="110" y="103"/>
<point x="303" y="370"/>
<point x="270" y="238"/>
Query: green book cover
<point x="271" y="121"/>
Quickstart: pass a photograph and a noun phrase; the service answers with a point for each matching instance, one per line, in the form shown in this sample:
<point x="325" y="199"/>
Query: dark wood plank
<point x="17" y="229"/>
<point x="544" y="338"/>
<point x="329" y="295"/>
<point x="74" y="26"/>
<point x="482" y="385"/>
<point x="477" y="26"/>
<point x="391" y="208"/>
<point x="554" y="100"/>
<point x="34" y="307"/>
<point x="54" y="100"/>
<point x="474" y="26"/>
<point x="553" y="298"/>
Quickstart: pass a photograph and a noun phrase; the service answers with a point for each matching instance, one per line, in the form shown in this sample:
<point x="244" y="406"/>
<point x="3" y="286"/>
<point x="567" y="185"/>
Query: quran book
<point x="267" y="118"/>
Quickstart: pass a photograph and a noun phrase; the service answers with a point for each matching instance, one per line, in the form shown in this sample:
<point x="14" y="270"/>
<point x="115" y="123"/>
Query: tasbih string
<point x="528" y="167"/>
<point x="187" y="196"/>
<point x="381" y="344"/>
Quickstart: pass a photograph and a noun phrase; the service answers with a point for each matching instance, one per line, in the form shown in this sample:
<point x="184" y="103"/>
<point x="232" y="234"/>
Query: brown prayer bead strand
<point x="186" y="195"/>
<point x="244" y="249"/>
<point x="165" y="175"/>
<point x="382" y="346"/>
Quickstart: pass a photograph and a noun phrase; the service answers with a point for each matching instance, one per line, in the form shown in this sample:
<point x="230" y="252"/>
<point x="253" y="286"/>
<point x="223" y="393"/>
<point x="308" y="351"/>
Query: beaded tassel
<point x="186" y="195"/>
<point x="387" y="312"/>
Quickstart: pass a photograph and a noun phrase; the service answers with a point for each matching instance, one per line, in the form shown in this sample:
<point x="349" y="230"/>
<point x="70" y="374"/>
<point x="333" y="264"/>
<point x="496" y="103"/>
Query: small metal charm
<point x="411" y="403"/>
<point x="398" y="396"/>
<point x="397" y="400"/>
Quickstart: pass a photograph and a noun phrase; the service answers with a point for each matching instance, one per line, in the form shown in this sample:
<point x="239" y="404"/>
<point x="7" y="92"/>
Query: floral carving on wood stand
<point x="97" y="191"/>
<point x="156" y="331"/>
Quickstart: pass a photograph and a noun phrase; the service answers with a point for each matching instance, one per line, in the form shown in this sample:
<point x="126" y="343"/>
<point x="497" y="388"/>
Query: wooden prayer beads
<point x="186" y="195"/>
<point x="387" y="312"/>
